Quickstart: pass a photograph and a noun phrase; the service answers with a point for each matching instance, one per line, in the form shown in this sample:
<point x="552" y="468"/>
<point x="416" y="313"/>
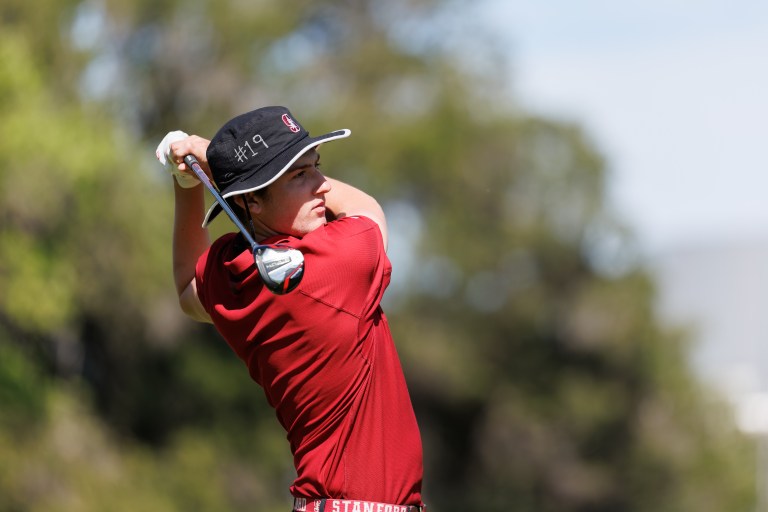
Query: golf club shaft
<point x="193" y="164"/>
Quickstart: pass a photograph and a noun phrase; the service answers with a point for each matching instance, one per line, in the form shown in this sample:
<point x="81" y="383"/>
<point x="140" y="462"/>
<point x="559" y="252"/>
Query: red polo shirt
<point x="325" y="358"/>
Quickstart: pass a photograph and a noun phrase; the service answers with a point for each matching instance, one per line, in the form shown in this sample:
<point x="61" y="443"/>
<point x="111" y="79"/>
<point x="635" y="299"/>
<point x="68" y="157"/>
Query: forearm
<point x="190" y="239"/>
<point x="344" y="200"/>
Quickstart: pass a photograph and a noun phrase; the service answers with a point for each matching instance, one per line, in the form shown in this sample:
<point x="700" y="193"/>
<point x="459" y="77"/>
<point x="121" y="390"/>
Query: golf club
<point x="281" y="268"/>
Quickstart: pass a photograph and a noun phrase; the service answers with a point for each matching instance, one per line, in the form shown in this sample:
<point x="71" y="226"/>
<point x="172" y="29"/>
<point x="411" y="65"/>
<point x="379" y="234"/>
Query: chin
<point x="308" y="228"/>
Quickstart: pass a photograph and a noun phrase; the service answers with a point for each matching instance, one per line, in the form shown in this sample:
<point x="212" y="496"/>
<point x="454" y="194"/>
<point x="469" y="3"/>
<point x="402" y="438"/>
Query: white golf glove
<point x="184" y="179"/>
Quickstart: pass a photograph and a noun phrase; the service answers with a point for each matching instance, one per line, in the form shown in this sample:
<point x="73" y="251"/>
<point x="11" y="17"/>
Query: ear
<point x="253" y="201"/>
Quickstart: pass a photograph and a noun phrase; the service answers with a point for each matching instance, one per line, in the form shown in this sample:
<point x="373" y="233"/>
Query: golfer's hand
<point x="172" y="150"/>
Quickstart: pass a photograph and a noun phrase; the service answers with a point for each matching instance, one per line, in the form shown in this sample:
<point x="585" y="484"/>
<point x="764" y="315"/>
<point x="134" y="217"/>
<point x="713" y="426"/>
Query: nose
<point x="324" y="186"/>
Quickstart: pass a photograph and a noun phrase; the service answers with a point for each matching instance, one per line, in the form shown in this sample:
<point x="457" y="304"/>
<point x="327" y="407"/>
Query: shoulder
<point x="351" y="225"/>
<point x="346" y="263"/>
<point x="352" y="241"/>
<point x="211" y="261"/>
<point x="221" y="248"/>
<point x="348" y="231"/>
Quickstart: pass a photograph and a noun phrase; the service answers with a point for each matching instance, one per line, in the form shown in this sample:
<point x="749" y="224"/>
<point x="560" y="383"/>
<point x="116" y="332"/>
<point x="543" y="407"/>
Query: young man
<point x="323" y="353"/>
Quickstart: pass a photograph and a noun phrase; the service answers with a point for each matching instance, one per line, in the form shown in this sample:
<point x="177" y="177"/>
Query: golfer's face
<point x="296" y="201"/>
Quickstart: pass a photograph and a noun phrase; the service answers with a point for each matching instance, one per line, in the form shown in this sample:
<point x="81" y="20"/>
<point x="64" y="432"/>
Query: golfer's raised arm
<point x="190" y="239"/>
<point x="344" y="200"/>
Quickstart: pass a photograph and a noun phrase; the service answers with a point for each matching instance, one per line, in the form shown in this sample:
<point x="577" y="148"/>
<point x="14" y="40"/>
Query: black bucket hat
<point x="254" y="149"/>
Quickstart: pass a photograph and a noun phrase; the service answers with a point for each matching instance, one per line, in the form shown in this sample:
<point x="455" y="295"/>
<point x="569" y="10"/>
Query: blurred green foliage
<point x="541" y="377"/>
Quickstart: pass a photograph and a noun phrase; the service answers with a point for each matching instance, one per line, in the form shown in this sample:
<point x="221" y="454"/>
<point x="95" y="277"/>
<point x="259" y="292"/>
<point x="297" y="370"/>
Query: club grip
<point x="193" y="164"/>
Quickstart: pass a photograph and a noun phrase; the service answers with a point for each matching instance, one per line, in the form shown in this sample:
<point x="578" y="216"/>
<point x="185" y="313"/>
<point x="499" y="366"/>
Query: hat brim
<point x="281" y="164"/>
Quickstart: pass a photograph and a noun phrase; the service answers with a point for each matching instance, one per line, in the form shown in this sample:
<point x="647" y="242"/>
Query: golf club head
<point x="281" y="268"/>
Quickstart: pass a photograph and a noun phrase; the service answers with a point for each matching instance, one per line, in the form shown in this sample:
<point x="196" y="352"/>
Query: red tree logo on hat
<point x="290" y="124"/>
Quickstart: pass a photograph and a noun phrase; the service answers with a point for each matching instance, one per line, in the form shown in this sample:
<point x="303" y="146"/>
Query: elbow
<point x="185" y="307"/>
<point x="190" y="304"/>
<point x="195" y="313"/>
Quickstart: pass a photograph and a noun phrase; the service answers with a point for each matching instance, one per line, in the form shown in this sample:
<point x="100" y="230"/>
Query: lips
<point x="320" y="208"/>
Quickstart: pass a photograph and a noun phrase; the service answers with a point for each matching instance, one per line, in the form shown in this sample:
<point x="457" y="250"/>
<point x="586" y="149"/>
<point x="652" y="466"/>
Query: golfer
<point x="323" y="353"/>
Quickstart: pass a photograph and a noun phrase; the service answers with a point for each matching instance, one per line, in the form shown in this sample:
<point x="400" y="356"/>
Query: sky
<point x="673" y="93"/>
